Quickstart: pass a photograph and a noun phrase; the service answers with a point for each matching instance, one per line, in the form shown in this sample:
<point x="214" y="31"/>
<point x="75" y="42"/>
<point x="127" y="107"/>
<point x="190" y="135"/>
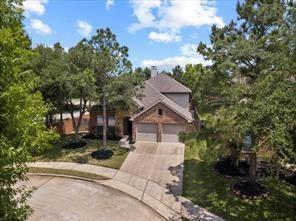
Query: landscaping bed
<point x="202" y="186"/>
<point x="248" y="191"/>
<point x="224" y="167"/>
<point x="74" y="145"/>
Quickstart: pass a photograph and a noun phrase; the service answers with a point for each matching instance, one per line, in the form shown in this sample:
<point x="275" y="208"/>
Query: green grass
<point x="212" y="192"/>
<point x="66" y="172"/>
<point x="83" y="155"/>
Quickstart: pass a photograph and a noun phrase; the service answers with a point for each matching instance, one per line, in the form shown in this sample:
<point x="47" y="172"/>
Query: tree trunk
<point x="47" y="121"/>
<point x="76" y="129"/>
<point x="104" y="123"/>
<point x="50" y="120"/>
<point x="252" y="169"/>
<point x="61" y="117"/>
<point x="235" y="155"/>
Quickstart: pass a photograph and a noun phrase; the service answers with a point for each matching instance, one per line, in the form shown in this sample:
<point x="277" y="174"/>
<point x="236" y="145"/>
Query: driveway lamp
<point x="247" y="143"/>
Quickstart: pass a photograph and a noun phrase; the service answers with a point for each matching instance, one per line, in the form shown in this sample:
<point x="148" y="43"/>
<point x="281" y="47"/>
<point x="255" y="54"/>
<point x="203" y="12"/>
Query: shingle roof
<point x="149" y="96"/>
<point x="165" y="84"/>
<point x="152" y="96"/>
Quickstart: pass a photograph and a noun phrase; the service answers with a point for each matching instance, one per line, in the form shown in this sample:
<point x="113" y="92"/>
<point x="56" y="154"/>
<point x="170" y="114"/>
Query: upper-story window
<point x="159" y="112"/>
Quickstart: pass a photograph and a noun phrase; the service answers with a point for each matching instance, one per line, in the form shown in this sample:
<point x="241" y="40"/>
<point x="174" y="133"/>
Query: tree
<point x="142" y="74"/>
<point x="177" y="73"/>
<point x="65" y="78"/>
<point x="22" y="111"/>
<point x="82" y="83"/>
<point x="252" y="57"/>
<point x="52" y="71"/>
<point x="110" y="62"/>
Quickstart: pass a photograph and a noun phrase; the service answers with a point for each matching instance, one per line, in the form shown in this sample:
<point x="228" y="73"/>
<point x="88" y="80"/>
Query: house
<point x="163" y="111"/>
<point x="65" y="126"/>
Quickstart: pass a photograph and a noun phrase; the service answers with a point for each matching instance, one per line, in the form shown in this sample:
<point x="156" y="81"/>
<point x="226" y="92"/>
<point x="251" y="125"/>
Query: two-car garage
<point x="168" y="132"/>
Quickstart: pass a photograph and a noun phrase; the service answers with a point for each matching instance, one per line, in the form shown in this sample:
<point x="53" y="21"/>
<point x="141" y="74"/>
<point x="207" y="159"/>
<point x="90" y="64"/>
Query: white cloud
<point x="143" y="12"/>
<point x="189" y="50"/>
<point x="109" y="4"/>
<point x="188" y="56"/>
<point x="169" y="63"/>
<point x="34" y="7"/>
<point x="173" y="15"/>
<point x="40" y="27"/>
<point x="83" y="28"/>
<point x="164" y="37"/>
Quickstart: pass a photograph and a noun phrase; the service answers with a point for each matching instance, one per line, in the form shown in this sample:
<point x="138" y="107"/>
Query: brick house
<point x="65" y="126"/>
<point x="163" y="112"/>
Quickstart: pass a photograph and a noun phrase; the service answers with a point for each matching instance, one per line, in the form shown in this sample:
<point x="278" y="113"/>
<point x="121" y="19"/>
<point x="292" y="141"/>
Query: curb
<point x="66" y="176"/>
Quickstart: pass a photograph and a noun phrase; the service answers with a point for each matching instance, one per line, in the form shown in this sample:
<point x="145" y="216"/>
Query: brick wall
<point x="168" y="116"/>
<point x="119" y="119"/>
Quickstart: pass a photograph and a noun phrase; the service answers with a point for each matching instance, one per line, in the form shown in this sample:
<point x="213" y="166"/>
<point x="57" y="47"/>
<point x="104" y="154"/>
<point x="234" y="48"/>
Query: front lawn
<point x="83" y="154"/>
<point x="212" y="192"/>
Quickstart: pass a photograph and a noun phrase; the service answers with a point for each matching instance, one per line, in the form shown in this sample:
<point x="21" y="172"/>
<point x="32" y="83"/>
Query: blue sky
<point x="157" y="32"/>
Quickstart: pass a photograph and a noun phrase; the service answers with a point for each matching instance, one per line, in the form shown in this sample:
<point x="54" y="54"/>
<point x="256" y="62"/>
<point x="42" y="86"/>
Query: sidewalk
<point x="170" y="206"/>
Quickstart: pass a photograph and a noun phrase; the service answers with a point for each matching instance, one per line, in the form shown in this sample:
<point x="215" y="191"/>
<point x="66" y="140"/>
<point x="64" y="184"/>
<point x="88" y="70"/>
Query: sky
<point x="164" y="33"/>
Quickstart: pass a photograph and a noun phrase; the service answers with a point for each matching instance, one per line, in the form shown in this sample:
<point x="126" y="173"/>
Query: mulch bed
<point x="290" y="179"/>
<point x="90" y="136"/>
<point x="102" y="154"/>
<point x="224" y="168"/>
<point x="248" y="191"/>
<point x="74" y="145"/>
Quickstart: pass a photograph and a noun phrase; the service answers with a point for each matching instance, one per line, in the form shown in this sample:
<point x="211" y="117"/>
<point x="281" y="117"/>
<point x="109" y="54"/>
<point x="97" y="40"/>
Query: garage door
<point x="146" y="132"/>
<point x="170" y="132"/>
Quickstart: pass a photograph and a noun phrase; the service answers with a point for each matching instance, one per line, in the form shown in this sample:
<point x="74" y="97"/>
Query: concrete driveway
<point x="68" y="199"/>
<point x="159" y="162"/>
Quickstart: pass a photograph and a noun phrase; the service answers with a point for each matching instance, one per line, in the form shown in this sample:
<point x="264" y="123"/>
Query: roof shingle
<point x="165" y="84"/>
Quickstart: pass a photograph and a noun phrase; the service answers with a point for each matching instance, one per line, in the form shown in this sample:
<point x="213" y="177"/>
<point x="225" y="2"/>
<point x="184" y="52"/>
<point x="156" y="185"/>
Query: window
<point x="111" y="121"/>
<point x="99" y="120"/>
<point x="160" y="112"/>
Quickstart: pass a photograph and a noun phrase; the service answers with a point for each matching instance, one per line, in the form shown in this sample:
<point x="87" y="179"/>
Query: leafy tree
<point x="259" y="83"/>
<point x="22" y="129"/>
<point x="177" y="73"/>
<point x="110" y="63"/>
<point x="82" y="83"/>
<point x="142" y="74"/>
<point x="52" y="71"/>
<point x="65" y="78"/>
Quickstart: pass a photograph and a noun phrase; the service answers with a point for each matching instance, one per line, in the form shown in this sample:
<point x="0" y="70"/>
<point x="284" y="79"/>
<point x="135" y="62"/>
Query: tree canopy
<point x="252" y="61"/>
<point x="22" y="111"/>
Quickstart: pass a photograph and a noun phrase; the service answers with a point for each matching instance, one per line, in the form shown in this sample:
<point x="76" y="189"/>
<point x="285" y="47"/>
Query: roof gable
<point x="165" y="84"/>
<point x="172" y="106"/>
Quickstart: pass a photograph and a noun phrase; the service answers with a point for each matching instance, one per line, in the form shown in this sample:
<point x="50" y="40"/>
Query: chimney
<point x="153" y="71"/>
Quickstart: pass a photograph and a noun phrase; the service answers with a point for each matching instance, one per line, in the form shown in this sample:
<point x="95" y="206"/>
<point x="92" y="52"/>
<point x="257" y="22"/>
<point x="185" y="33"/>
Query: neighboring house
<point x="66" y="125"/>
<point x="164" y="111"/>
